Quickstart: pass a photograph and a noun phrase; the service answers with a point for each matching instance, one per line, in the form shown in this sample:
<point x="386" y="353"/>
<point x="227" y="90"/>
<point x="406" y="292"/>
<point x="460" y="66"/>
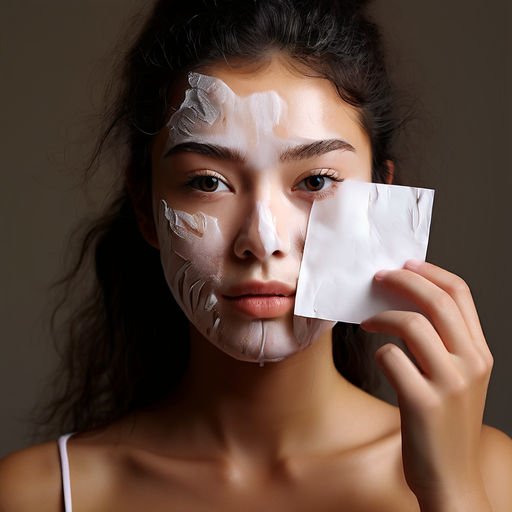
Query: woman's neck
<point x="295" y="407"/>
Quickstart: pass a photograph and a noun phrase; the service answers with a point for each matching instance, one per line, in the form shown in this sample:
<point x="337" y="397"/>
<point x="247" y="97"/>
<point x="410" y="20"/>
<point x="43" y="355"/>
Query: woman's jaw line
<point x="209" y="359"/>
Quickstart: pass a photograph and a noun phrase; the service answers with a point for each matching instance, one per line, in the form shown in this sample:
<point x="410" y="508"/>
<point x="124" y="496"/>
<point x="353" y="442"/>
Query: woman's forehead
<point x="310" y="106"/>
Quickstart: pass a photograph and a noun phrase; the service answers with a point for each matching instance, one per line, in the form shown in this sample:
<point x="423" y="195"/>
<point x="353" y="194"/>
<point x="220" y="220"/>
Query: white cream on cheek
<point x="194" y="250"/>
<point x="184" y="238"/>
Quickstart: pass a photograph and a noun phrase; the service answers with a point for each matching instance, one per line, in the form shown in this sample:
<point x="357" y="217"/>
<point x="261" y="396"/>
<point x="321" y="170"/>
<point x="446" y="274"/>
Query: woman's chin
<point x="267" y="340"/>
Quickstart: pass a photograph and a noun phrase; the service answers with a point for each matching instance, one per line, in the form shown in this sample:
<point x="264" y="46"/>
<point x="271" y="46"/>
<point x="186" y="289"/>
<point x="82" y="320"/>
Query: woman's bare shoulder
<point x="496" y="457"/>
<point x="30" y="479"/>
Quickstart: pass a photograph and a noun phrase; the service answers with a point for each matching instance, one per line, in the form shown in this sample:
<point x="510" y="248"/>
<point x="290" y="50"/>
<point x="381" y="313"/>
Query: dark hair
<point x="126" y="341"/>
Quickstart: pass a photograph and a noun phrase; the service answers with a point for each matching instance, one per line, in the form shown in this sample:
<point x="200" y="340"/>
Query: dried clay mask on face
<point x="194" y="247"/>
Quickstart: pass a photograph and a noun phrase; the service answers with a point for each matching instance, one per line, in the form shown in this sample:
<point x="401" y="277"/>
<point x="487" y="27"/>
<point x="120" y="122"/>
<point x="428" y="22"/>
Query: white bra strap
<point x="64" y="465"/>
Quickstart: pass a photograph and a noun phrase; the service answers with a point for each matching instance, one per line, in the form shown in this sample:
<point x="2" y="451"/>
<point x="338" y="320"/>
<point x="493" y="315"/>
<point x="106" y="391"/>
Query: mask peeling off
<point x="191" y="291"/>
<point x="199" y="106"/>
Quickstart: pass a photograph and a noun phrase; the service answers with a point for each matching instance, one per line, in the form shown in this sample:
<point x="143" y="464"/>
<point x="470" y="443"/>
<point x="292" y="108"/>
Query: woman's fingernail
<point x="413" y="264"/>
<point x="366" y="326"/>
<point x="380" y="275"/>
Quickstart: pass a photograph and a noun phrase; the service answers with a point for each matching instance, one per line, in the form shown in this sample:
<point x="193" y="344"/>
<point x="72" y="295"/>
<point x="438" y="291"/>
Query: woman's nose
<point x="261" y="235"/>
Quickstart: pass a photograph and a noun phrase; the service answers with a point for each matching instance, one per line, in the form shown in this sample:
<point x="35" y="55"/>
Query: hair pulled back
<point x="125" y="343"/>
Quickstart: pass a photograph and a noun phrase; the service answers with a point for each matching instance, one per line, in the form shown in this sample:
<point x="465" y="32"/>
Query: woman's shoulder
<point x="30" y="479"/>
<point x="496" y="445"/>
<point x="496" y="466"/>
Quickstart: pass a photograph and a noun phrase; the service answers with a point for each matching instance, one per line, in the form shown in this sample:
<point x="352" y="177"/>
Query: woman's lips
<point x="258" y="299"/>
<point x="263" y="306"/>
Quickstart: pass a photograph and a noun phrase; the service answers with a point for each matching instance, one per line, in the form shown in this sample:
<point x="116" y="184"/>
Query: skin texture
<point x="295" y="435"/>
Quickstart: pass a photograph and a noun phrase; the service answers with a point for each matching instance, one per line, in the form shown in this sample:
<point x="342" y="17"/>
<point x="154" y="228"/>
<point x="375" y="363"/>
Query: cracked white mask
<point x="236" y="175"/>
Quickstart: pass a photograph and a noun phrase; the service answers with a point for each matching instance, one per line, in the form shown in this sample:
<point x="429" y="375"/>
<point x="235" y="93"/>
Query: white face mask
<point x="206" y="258"/>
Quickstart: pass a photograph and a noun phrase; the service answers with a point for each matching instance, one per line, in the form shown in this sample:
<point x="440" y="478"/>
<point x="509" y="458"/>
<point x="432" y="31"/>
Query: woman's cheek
<point x="191" y="249"/>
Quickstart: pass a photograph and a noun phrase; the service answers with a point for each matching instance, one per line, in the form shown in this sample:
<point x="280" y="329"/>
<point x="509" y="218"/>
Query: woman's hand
<point x="441" y="399"/>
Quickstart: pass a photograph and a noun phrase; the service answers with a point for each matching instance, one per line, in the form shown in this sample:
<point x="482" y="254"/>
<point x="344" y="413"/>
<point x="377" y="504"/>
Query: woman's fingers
<point x="442" y="330"/>
<point x="459" y="291"/>
<point x="435" y="303"/>
<point x="420" y="337"/>
<point x="402" y="374"/>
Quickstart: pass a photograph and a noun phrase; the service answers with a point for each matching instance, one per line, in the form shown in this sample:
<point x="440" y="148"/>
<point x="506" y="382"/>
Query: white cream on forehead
<point x="213" y="113"/>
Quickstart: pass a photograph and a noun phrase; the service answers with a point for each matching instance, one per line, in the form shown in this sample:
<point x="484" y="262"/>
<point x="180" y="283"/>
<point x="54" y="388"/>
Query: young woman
<point x="190" y="385"/>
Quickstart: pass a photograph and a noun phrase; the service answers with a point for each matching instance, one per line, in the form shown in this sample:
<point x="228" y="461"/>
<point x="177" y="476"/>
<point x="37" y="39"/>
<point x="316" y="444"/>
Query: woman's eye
<point x="317" y="182"/>
<point x="314" y="183"/>
<point x="208" y="183"/>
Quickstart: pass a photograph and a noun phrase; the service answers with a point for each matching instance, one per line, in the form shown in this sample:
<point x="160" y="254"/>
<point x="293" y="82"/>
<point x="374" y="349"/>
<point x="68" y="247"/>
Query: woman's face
<point x="235" y="173"/>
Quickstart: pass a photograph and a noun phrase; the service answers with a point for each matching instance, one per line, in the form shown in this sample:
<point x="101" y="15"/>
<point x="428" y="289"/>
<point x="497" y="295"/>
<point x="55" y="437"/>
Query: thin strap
<point x="64" y="466"/>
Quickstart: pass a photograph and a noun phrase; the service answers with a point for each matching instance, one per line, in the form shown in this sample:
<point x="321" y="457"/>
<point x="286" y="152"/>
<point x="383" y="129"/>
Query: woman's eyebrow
<point x="316" y="148"/>
<point x="212" y="150"/>
<point x="300" y="152"/>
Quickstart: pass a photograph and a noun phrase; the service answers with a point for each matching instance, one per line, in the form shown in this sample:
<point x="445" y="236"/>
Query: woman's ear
<point x="145" y="222"/>
<point x="391" y="172"/>
<point x="140" y="198"/>
<point x="147" y="228"/>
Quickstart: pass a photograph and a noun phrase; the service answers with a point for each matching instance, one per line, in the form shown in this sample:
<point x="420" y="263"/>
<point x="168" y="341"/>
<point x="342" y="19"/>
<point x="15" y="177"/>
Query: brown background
<point x="454" y="57"/>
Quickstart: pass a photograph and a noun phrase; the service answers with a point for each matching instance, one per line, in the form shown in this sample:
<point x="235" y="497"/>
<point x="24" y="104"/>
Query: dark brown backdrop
<point x="454" y="56"/>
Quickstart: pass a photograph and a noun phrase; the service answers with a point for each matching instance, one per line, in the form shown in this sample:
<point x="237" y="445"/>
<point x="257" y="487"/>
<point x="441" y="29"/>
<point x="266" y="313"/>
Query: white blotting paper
<point x="363" y="228"/>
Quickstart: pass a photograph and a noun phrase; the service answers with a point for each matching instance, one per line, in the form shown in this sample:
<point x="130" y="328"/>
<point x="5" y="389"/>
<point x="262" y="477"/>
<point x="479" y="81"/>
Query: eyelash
<point x="327" y="173"/>
<point x="202" y="174"/>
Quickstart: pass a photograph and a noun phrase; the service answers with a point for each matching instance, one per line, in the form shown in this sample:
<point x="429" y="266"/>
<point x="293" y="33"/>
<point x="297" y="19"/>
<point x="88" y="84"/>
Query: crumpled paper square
<point x="363" y="228"/>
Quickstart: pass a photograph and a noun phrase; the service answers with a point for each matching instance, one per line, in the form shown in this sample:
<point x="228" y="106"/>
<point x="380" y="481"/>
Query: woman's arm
<point x="449" y="463"/>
